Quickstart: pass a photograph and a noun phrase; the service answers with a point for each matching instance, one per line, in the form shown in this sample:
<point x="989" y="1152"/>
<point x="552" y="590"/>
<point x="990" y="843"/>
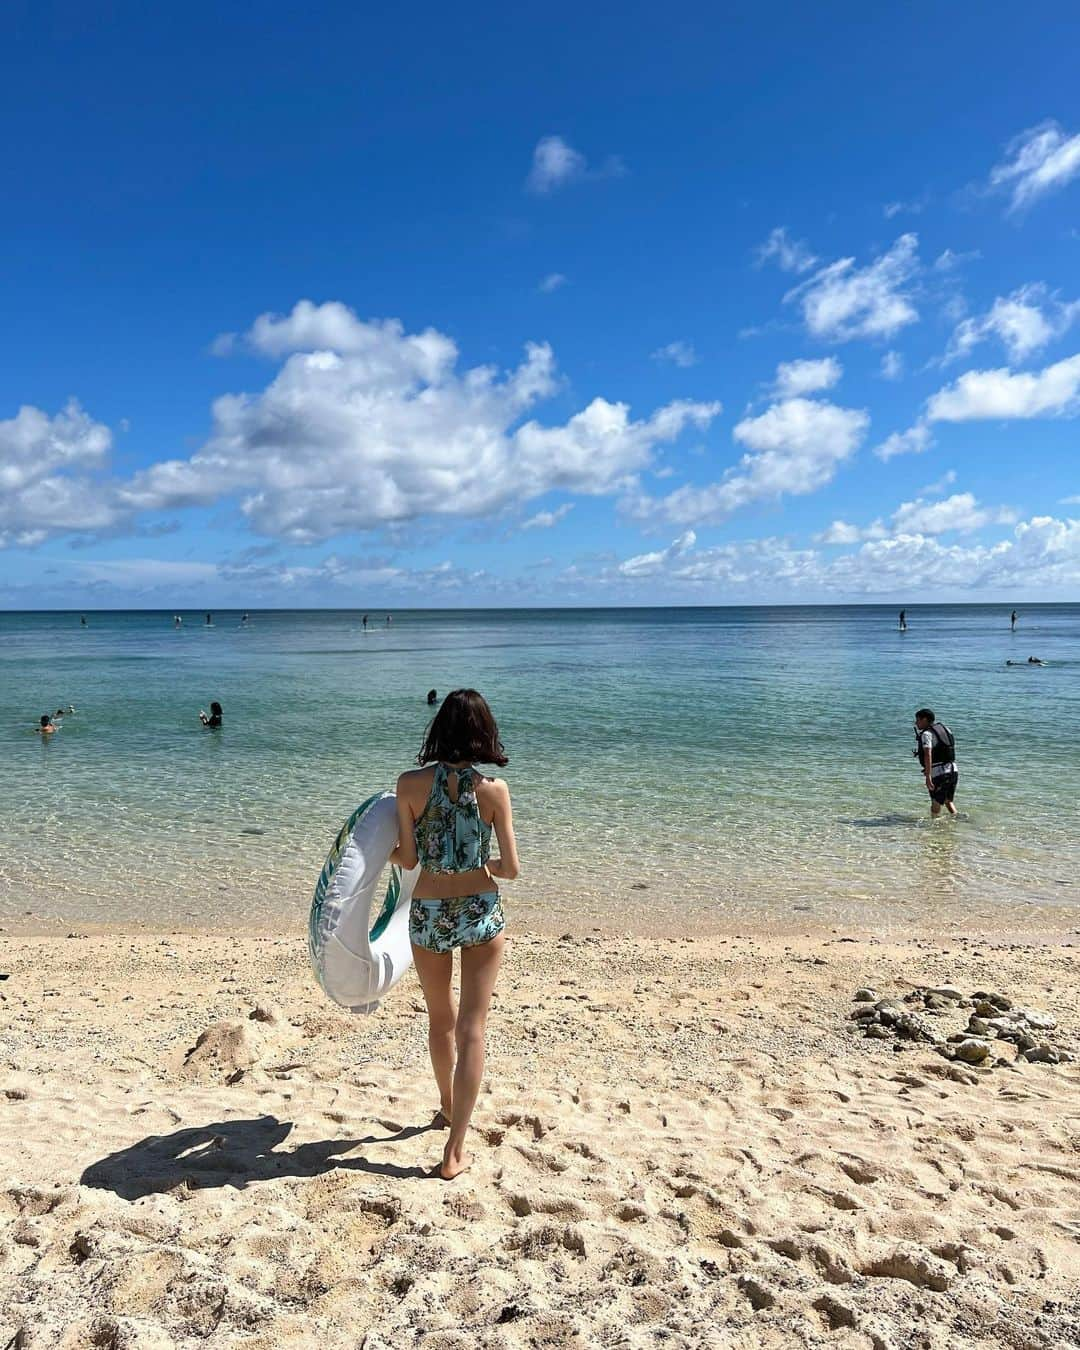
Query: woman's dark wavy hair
<point x="463" y="730"/>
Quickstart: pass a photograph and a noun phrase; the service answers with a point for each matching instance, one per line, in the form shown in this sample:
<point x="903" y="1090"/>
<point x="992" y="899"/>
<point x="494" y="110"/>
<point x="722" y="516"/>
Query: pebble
<point x="948" y="991"/>
<point x="971" y="1051"/>
<point x="916" y="1028"/>
<point x="1042" y="1054"/>
<point x="865" y="996"/>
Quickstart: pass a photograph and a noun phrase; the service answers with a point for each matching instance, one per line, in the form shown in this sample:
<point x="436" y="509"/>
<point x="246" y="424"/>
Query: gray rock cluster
<point x="993" y="1022"/>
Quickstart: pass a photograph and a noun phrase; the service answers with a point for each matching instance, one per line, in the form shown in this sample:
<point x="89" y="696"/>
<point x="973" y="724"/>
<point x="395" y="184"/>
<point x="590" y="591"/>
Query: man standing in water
<point x="936" y="752"/>
<point x="1012" y="621"/>
<point x="903" y="621"/>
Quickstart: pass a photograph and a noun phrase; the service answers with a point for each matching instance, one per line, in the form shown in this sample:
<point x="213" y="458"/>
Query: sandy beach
<point x="680" y="1143"/>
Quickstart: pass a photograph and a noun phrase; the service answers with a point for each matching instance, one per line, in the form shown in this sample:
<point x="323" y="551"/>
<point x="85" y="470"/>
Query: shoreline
<point x="687" y="1141"/>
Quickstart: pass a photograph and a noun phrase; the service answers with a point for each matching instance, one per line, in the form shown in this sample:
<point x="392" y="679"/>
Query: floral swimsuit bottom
<point x="452" y="836"/>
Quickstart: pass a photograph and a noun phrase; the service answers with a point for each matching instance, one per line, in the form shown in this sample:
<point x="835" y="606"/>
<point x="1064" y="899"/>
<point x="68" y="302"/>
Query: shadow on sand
<point x="235" y="1153"/>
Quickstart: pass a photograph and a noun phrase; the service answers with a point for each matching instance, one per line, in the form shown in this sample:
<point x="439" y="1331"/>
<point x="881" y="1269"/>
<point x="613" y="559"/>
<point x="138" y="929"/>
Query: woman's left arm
<point x="405" y="854"/>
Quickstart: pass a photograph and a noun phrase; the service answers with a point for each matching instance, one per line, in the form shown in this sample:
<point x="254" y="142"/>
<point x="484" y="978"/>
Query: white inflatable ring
<point x="357" y="957"/>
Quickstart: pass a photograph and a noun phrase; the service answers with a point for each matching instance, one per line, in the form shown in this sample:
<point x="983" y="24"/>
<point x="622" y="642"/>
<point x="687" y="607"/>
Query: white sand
<point x="678" y="1144"/>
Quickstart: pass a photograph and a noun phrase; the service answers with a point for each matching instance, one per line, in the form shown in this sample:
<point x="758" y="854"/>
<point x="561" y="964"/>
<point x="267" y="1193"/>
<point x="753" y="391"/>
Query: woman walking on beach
<point x="447" y="811"/>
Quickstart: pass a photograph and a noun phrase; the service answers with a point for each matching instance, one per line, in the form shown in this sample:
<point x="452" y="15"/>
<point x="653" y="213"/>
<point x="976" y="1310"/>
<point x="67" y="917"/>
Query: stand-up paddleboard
<point x="359" y="949"/>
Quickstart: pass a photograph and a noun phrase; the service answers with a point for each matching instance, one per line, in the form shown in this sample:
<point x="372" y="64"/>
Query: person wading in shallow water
<point x="447" y="811"/>
<point x="936" y="751"/>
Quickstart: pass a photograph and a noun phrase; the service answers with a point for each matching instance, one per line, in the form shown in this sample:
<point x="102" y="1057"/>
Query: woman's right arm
<point x="506" y="866"/>
<point x="405" y="854"/>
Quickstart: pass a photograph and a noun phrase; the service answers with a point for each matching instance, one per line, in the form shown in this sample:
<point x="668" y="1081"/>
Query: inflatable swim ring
<point x="358" y="957"/>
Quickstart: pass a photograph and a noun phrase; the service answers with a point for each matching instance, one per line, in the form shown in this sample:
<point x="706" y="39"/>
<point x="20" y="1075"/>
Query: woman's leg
<point x="479" y="969"/>
<point x="435" y="970"/>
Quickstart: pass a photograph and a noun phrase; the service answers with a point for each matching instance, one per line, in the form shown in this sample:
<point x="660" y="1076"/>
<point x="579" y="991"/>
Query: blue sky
<point x="564" y="306"/>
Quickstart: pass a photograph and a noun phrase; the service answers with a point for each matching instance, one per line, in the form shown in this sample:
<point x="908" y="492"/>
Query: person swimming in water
<point x="82" y="620"/>
<point x="1035" y="661"/>
<point x="214" y="720"/>
<point x="432" y="697"/>
<point x="45" y="726"/>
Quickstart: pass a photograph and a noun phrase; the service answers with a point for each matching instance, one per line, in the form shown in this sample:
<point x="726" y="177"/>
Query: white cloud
<point x="1024" y="321"/>
<point x="948" y="261"/>
<point x="554" y="281"/>
<point x="892" y="366"/>
<point x="913" y="208"/>
<point x="378" y="426"/>
<point x="960" y="512"/>
<point x="677" y="353"/>
<point x="793" y="448"/>
<point x="556" y="164"/>
<point x="543" y="520"/>
<point x="1071" y="501"/>
<point x="984" y="394"/>
<point x="1042" y="554"/>
<point x="44" y="489"/>
<point x="840" y="532"/>
<point x="842" y="302"/>
<point x="646" y="564"/>
<point x="373" y="427"/>
<point x="792" y="255"/>
<point x="915" y="441"/>
<point x="794" y="378"/>
<point x="946" y="480"/>
<point x="1038" y="161"/>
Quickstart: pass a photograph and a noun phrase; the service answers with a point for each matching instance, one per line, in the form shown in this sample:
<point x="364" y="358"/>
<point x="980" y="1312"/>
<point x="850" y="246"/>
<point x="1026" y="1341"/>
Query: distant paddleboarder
<point x="903" y="621"/>
<point x="1012" y="620"/>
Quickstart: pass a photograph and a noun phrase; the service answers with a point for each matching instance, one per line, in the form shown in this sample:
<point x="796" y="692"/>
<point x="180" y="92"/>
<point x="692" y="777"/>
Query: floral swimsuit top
<point x="452" y="836"/>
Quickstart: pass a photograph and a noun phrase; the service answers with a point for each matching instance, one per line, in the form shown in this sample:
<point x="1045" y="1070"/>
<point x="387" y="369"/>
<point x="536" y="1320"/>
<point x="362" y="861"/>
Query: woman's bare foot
<point x="453" y="1164"/>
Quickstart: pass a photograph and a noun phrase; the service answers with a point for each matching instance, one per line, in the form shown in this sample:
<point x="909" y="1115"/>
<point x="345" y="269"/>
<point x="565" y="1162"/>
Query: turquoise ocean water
<point x="670" y="768"/>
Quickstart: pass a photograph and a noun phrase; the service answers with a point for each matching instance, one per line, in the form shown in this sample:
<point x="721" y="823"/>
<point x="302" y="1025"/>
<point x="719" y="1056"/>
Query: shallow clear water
<point x="672" y="766"/>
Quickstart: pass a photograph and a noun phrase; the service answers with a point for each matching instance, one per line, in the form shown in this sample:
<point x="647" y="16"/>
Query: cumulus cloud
<point x="841" y="532"/>
<point x="1024" y="322"/>
<point x="647" y="564"/>
<point x="790" y="255"/>
<point x="543" y="520"/>
<point x="1042" y="553"/>
<point x="915" y="441"/>
<point x="1037" y="162"/>
<point x="44" y="484"/>
<point x="842" y="302"/>
<point x="794" y="378"/>
<point x="983" y="394"/>
<point x="793" y="448"/>
<point x="378" y="426"/>
<point x="554" y="281"/>
<point x="960" y="512"/>
<point x="363" y="425"/>
<point x="892" y="366"/>
<point x="556" y="164"/>
<point x="677" y="353"/>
